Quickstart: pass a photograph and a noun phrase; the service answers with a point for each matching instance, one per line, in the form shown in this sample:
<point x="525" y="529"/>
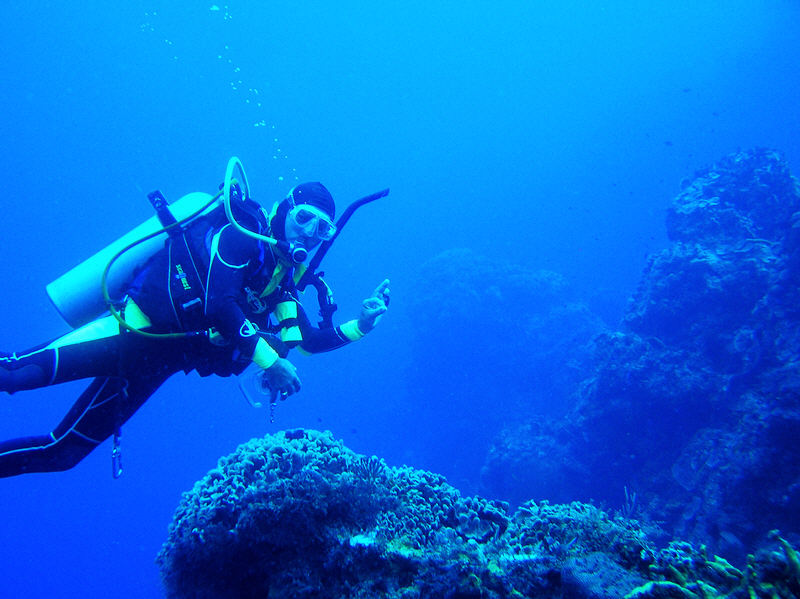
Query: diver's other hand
<point x="282" y="379"/>
<point x="374" y="307"/>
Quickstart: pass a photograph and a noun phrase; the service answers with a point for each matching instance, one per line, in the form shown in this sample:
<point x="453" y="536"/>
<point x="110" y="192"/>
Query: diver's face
<point x="307" y="226"/>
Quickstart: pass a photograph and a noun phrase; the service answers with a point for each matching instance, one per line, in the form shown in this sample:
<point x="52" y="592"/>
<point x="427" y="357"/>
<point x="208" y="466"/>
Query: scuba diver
<point x="218" y="296"/>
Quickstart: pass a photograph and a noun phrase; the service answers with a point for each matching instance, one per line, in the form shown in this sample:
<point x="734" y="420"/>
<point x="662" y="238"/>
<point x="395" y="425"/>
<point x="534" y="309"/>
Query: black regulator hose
<point x="305" y="280"/>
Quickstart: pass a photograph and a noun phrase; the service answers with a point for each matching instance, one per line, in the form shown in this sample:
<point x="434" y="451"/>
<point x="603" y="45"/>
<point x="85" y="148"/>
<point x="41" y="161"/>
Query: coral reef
<point x="689" y="417"/>
<point x="695" y="402"/>
<point x="297" y="514"/>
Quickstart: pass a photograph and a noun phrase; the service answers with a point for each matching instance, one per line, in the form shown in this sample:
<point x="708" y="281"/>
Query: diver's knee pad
<point x="30" y="371"/>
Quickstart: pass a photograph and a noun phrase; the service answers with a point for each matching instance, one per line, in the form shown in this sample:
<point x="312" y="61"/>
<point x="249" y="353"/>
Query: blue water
<point x="551" y="135"/>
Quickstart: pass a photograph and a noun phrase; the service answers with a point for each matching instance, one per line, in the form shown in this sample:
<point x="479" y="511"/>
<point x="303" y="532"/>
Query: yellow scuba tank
<point x="78" y="295"/>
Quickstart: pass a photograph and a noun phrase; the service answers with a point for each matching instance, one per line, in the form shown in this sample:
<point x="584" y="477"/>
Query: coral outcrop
<point x="695" y="402"/>
<point x="297" y="514"/>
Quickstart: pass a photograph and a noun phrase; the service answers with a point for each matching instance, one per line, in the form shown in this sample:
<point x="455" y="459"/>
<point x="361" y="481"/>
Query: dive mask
<point x="313" y="221"/>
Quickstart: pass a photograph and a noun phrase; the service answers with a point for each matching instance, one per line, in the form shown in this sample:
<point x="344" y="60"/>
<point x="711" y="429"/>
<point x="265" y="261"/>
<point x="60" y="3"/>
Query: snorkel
<point x="326" y="245"/>
<point x="311" y="277"/>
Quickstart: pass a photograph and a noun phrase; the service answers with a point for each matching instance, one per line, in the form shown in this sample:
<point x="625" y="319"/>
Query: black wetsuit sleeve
<point x="316" y="340"/>
<point x="232" y="255"/>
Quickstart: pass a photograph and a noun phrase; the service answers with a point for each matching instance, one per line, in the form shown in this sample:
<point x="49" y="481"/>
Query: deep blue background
<point x="550" y="134"/>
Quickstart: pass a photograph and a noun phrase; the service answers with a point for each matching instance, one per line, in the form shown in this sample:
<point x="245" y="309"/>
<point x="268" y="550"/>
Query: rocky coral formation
<point x="297" y="514"/>
<point x="695" y="402"/>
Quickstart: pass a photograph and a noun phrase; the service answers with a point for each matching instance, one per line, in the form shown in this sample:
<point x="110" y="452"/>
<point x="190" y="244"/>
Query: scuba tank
<point x="84" y="293"/>
<point x="77" y="294"/>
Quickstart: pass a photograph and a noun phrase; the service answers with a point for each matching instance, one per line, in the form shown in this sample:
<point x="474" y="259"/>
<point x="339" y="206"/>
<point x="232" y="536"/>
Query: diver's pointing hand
<point x="374" y="307"/>
<point x="382" y="292"/>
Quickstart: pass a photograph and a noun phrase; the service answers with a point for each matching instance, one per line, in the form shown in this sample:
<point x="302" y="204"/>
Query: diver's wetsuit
<point x="217" y="278"/>
<point x="127" y="368"/>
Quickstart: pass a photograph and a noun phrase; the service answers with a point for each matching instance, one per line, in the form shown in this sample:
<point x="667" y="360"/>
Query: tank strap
<point x="165" y="216"/>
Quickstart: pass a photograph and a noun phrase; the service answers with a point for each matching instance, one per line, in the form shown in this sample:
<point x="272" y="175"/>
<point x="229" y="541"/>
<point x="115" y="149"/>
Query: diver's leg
<point x="29" y="370"/>
<point x="105" y="405"/>
<point x="140" y="366"/>
<point x="92" y="350"/>
<point x="53" y="364"/>
<point x="59" y="450"/>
